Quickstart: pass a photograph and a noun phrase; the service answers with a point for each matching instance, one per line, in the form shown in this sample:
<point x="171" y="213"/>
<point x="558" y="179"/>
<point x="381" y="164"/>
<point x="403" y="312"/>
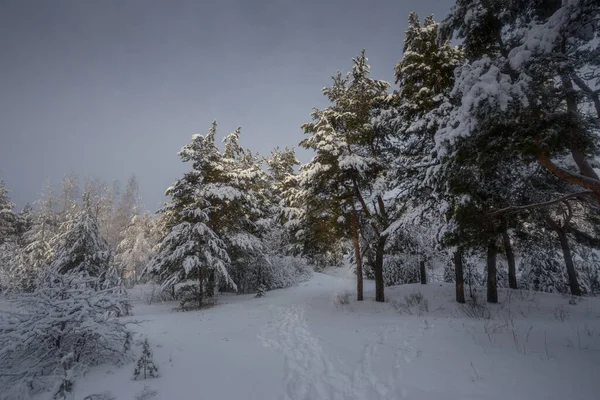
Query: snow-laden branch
<point x="513" y="209"/>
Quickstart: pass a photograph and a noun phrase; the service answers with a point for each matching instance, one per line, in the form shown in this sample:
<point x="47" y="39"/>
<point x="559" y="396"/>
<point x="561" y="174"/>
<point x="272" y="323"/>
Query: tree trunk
<point x="564" y="244"/>
<point x="492" y="287"/>
<point x="458" y="270"/>
<point x="357" y="256"/>
<point x="379" y="251"/>
<point x="423" y="272"/>
<point x="210" y="285"/>
<point x="510" y="256"/>
<point x="200" y="287"/>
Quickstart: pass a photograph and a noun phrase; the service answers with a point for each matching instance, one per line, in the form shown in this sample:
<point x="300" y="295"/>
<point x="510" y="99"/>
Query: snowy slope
<point x="297" y="344"/>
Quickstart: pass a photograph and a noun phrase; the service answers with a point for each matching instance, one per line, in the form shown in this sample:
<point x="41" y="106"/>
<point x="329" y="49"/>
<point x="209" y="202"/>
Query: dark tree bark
<point x="423" y="272"/>
<point x="566" y="249"/>
<point x="210" y="285"/>
<point x="357" y="256"/>
<point x="510" y="256"/>
<point x="200" y="287"/>
<point x="587" y="177"/>
<point x="458" y="271"/>
<point x="492" y="284"/>
<point x="564" y="244"/>
<point x="379" y="284"/>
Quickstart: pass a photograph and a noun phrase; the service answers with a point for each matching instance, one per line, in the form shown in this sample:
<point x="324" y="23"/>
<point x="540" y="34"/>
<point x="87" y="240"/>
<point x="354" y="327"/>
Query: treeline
<point x="481" y="154"/>
<point x="93" y="227"/>
<point x="482" y="151"/>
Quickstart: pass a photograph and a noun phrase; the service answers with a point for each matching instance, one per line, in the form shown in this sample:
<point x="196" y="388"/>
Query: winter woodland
<point x="475" y="171"/>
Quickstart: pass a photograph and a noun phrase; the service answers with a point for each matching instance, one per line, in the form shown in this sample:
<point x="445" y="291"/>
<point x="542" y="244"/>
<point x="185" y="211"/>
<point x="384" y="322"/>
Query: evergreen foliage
<point x="145" y="367"/>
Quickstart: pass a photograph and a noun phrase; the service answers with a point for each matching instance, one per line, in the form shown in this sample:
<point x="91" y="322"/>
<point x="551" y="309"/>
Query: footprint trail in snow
<point x="309" y="374"/>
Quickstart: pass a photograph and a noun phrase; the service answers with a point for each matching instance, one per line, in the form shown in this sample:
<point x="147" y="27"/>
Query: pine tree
<point x="145" y="367"/>
<point x="243" y="218"/>
<point x="8" y="218"/>
<point x="425" y="75"/>
<point x="350" y="161"/>
<point x="524" y="90"/>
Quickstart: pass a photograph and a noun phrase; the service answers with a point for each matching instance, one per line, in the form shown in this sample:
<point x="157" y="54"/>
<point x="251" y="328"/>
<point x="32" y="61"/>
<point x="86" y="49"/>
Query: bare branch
<point x="571" y="177"/>
<point x="593" y="94"/>
<point x="513" y="209"/>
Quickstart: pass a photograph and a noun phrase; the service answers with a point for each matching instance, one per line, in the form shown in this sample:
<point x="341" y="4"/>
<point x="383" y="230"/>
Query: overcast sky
<point x="109" y="88"/>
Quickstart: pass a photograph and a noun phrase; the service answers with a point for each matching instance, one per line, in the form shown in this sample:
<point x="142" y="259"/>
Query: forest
<point x="478" y="166"/>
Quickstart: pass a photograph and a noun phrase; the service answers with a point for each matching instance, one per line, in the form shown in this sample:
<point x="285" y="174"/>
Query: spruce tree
<point x="145" y="367"/>
<point x="191" y="248"/>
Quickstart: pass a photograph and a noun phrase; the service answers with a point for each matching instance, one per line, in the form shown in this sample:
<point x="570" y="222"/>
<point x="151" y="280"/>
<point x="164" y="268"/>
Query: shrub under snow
<point x="287" y="271"/>
<point x="63" y="318"/>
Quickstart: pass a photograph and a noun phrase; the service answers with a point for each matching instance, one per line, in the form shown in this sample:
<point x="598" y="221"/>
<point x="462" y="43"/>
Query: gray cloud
<point x="110" y="88"/>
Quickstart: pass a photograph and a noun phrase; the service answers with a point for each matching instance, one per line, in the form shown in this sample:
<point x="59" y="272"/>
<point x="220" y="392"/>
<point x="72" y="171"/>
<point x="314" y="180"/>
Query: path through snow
<point x="296" y="344"/>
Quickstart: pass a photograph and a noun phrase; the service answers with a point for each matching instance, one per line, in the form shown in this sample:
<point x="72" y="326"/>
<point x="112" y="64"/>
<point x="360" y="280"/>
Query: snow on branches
<point x="64" y="316"/>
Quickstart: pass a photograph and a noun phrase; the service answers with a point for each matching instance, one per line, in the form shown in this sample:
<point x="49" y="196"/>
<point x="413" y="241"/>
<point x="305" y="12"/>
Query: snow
<point x="297" y="343"/>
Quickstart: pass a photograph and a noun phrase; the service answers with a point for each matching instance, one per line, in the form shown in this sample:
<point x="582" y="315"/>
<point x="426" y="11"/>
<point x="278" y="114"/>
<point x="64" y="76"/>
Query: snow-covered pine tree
<point x="242" y="216"/>
<point x="145" y="367"/>
<point x="425" y="75"/>
<point x="191" y="249"/>
<point x="351" y="158"/>
<point x="531" y="69"/>
<point x="85" y="250"/>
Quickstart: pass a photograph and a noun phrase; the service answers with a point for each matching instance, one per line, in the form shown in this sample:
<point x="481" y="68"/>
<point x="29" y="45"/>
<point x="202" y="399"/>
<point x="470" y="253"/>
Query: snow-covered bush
<point x="286" y="271"/>
<point x="400" y="269"/>
<point x="260" y="292"/>
<point x="153" y="292"/>
<point x="341" y="298"/>
<point x="477" y="308"/>
<point x="413" y="304"/>
<point x="275" y="271"/>
<point x="543" y="274"/>
<point x="63" y="317"/>
<point x="189" y="297"/>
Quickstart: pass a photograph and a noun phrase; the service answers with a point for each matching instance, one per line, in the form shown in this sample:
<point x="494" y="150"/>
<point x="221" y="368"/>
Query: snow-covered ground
<point x="299" y="344"/>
